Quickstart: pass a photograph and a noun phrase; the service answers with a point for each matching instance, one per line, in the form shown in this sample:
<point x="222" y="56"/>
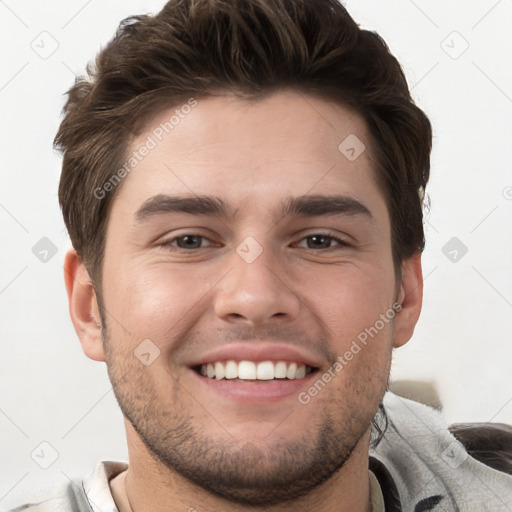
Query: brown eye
<point x="323" y="241"/>
<point x="186" y="242"/>
<point x="189" y="241"/>
<point x="319" y="241"/>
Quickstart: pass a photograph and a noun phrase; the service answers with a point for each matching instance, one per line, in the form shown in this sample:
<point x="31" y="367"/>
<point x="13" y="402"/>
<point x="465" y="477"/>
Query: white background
<point x="49" y="391"/>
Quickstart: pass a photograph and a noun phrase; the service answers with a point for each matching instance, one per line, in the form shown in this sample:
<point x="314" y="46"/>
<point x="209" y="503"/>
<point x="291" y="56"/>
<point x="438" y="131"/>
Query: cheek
<point x="156" y="302"/>
<point x="351" y="300"/>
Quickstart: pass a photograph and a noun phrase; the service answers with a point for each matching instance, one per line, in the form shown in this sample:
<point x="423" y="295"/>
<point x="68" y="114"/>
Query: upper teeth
<point x="248" y="370"/>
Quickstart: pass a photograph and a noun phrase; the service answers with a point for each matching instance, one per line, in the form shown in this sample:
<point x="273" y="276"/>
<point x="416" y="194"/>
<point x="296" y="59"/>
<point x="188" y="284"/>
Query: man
<point x="243" y="184"/>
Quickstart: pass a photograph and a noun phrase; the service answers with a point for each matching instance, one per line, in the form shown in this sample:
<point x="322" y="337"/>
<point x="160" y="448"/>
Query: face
<point x="222" y="246"/>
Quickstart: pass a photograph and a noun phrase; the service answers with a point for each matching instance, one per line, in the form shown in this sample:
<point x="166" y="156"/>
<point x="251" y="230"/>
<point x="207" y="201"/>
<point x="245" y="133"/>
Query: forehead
<point x="250" y="152"/>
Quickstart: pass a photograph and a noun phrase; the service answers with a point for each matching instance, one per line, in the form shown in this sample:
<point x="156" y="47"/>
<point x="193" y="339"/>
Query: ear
<point x="411" y="298"/>
<point x="83" y="306"/>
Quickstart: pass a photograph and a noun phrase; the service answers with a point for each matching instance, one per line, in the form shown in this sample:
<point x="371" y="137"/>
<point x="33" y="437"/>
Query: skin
<point x="283" y="456"/>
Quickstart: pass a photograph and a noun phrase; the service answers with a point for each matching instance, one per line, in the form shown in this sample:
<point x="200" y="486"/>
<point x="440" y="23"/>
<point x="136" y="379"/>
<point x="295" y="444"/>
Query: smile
<point x="250" y="370"/>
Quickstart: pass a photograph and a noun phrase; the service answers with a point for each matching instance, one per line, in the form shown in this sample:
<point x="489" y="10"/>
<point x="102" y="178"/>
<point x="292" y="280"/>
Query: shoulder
<point x="63" y="499"/>
<point x="461" y="467"/>
<point x="77" y="496"/>
<point x="488" y="443"/>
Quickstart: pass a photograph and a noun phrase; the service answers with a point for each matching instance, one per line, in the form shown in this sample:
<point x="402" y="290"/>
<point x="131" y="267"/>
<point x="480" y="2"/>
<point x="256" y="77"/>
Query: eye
<point x="191" y="242"/>
<point x="323" y="241"/>
<point x="188" y="241"/>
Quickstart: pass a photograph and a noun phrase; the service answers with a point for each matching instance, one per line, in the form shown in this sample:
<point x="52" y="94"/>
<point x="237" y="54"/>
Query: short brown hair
<point x="193" y="48"/>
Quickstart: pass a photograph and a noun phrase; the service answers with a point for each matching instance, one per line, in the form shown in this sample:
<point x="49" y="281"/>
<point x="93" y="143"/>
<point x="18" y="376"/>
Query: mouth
<point x="254" y="371"/>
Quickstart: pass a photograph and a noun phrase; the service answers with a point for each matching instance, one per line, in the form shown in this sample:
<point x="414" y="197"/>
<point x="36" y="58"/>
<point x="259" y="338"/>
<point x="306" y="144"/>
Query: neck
<point x="148" y="486"/>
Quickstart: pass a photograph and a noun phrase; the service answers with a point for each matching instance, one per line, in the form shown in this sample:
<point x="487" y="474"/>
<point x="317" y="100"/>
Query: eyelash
<point x="169" y="243"/>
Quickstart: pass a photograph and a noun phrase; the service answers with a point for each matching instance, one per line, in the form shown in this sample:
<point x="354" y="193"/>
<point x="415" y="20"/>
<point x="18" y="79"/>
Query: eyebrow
<point x="308" y="205"/>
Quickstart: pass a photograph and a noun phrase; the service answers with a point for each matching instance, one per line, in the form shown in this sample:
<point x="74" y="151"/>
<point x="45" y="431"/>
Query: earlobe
<point x="83" y="306"/>
<point x="410" y="298"/>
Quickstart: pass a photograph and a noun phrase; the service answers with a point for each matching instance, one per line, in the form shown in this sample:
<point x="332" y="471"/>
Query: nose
<point x="256" y="292"/>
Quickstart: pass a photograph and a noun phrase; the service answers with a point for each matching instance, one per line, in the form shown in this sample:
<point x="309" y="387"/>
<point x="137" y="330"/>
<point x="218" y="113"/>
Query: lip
<point x="257" y="352"/>
<point x="255" y="391"/>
